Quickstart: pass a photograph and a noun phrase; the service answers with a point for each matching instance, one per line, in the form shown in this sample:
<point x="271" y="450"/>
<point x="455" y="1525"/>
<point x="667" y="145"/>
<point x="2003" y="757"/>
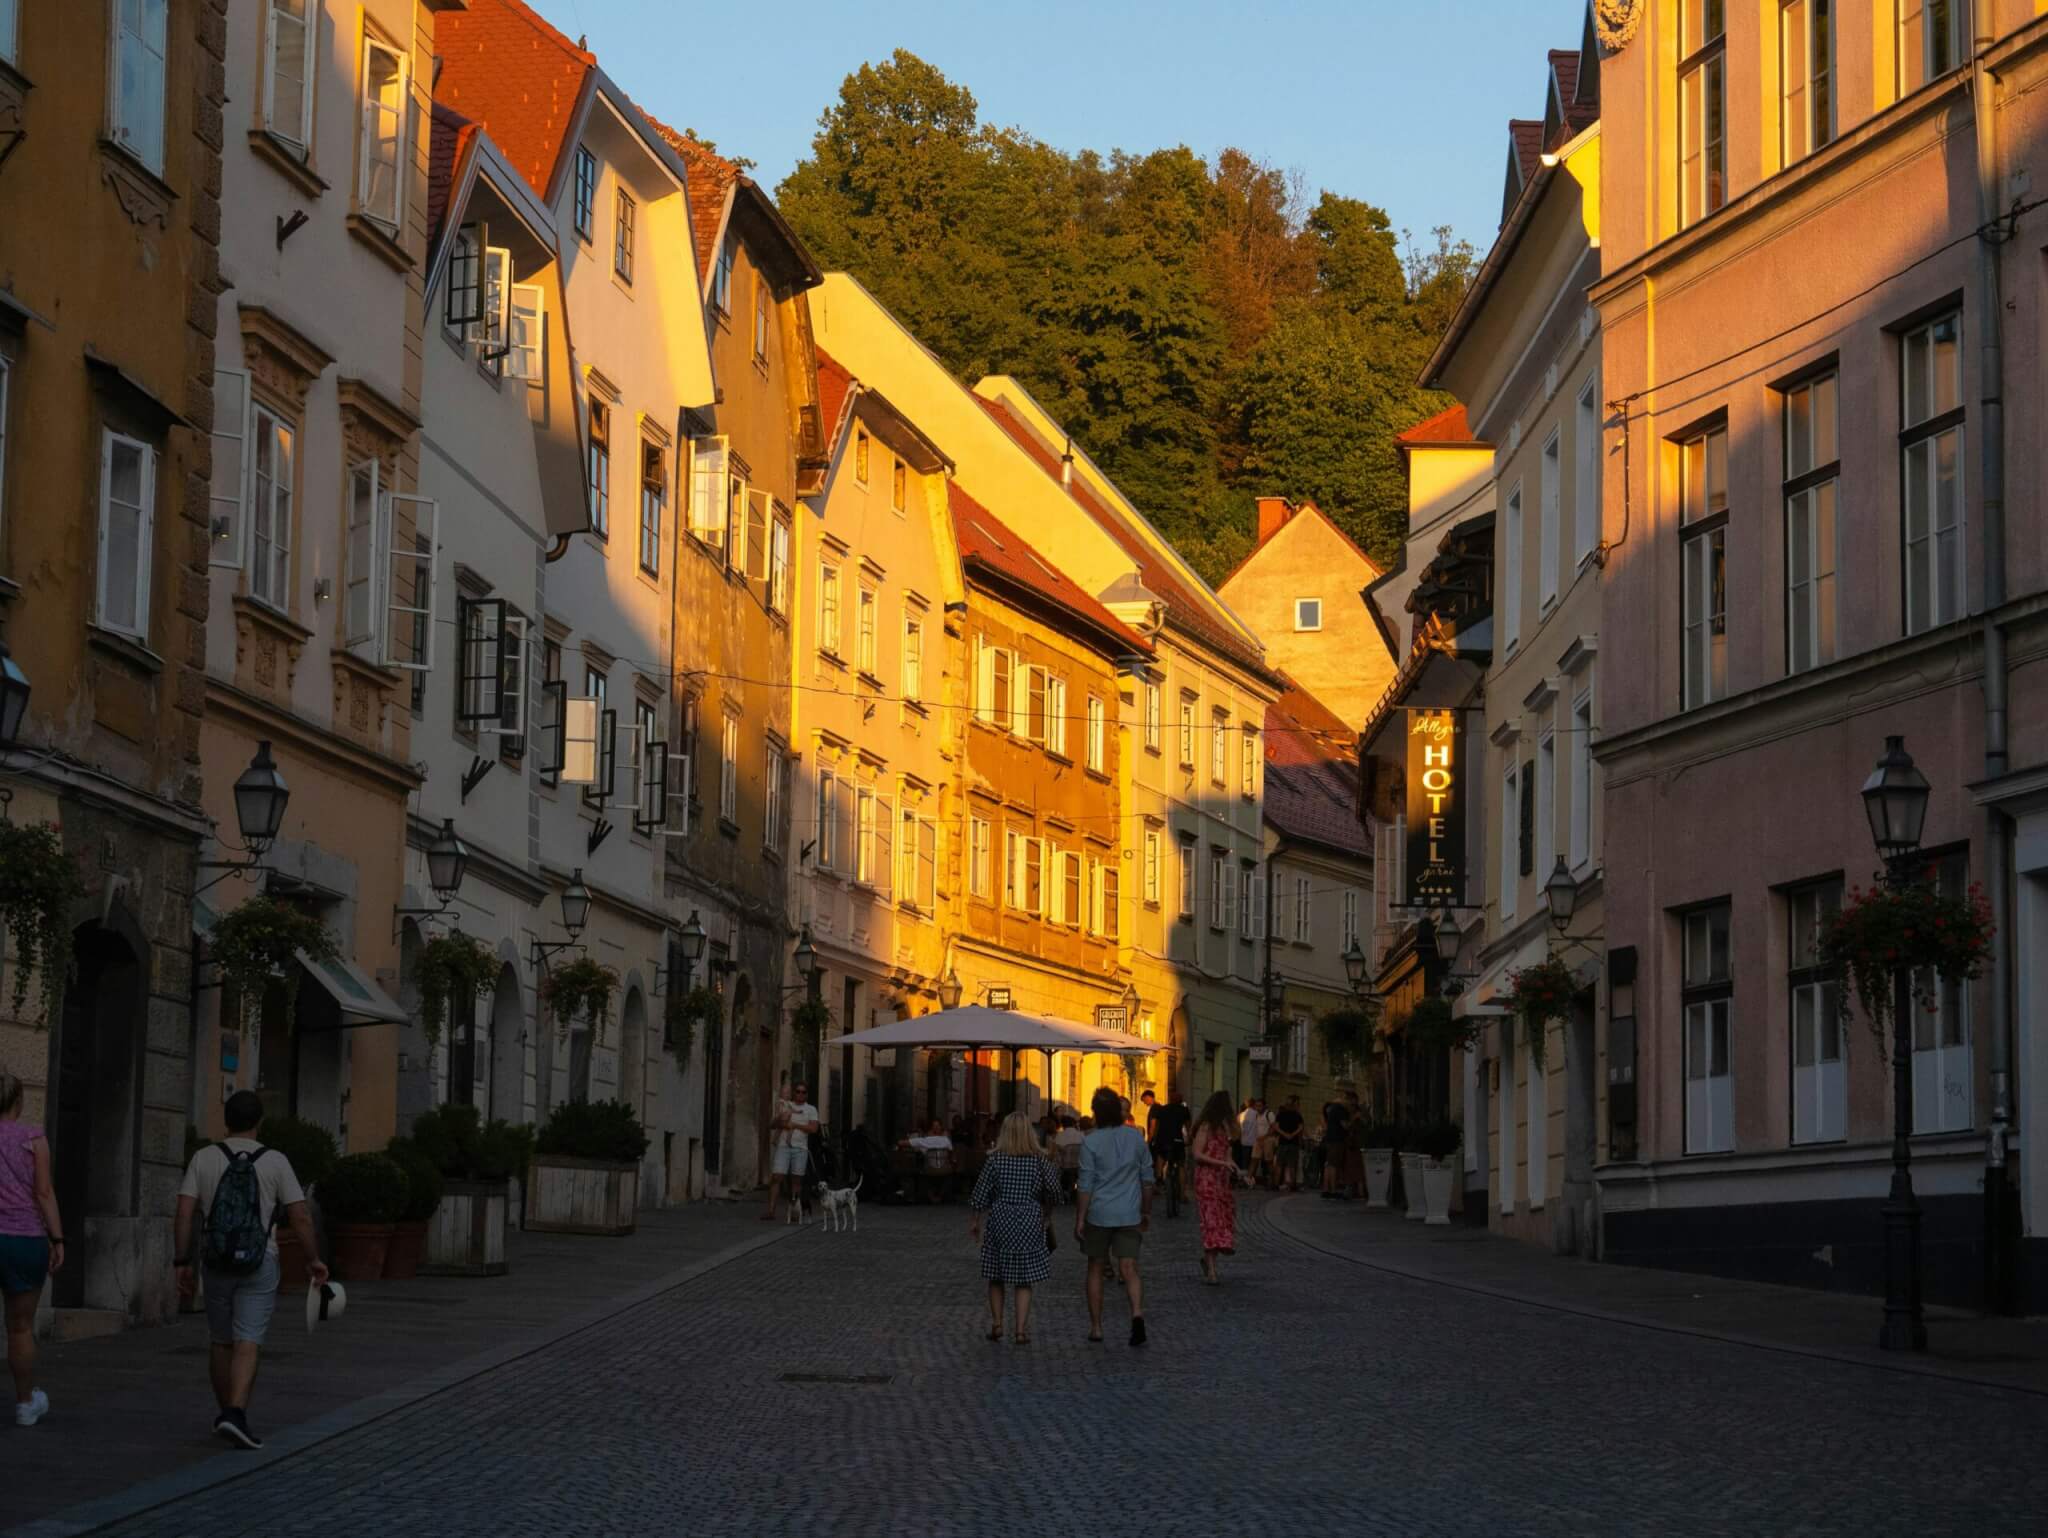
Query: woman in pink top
<point x="31" y="1243"/>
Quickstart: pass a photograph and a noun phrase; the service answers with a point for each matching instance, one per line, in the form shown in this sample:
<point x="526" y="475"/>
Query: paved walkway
<point x="821" y="1384"/>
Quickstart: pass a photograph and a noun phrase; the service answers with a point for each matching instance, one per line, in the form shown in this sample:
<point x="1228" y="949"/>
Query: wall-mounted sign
<point x="1259" y="1052"/>
<point x="999" y="998"/>
<point x="1436" y="810"/>
<point x="1113" y="1017"/>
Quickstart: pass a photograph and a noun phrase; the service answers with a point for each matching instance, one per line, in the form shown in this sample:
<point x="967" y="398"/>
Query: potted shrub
<point x="312" y="1152"/>
<point x="1438" y="1143"/>
<point x="361" y="1198"/>
<point x="423" y="1182"/>
<point x="466" y="1234"/>
<point x="586" y="1170"/>
<point x="1378" y="1139"/>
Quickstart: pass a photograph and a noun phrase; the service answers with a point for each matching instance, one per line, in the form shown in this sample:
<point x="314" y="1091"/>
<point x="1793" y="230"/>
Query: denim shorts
<point x="238" y="1308"/>
<point x="24" y="1262"/>
<point x="791" y="1161"/>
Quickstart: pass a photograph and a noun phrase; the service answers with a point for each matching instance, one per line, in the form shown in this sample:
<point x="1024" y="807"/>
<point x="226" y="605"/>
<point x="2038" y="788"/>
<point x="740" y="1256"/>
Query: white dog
<point x="839" y="1208"/>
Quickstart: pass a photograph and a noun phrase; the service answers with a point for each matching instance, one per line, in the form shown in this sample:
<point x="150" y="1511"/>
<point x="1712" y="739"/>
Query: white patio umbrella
<point x="977" y="1028"/>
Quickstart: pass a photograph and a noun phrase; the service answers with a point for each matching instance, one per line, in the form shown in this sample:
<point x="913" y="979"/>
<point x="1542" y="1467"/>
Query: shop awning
<point x="976" y="1027"/>
<point x="362" y="1001"/>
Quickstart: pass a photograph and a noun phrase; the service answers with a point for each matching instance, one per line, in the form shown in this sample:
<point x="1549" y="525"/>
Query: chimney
<point x="1273" y="515"/>
<point x="1067" y="466"/>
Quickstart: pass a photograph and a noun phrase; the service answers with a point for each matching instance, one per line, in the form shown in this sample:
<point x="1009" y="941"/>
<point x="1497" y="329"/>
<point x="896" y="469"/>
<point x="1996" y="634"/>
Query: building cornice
<point x="316" y="742"/>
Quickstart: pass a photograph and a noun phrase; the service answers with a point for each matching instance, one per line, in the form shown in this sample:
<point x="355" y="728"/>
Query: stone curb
<point x="1276" y="1214"/>
<point x="92" y="1516"/>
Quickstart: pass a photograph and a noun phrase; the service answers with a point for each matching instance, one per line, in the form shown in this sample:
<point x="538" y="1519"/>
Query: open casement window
<point x="462" y="300"/>
<point x="227" y="528"/>
<point x="757" y="558"/>
<point x="1011" y="682"/>
<point x="778" y="565"/>
<point x="380" y="154"/>
<point x="680" y="778"/>
<point x="710" y="458"/>
<point x="412" y="546"/>
<point x="136" y="91"/>
<point x="1056" y="715"/>
<point x="479" y="681"/>
<point x="580" y="725"/>
<point x="510" y="726"/>
<point x="368" y="537"/>
<point x="649" y="781"/>
<point x="1036" y="680"/>
<point x="127" y="518"/>
<point x="604" y="780"/>
<point x="497" y="297"/>
<point x="288" y="53"/>
<point x="882" y="862"/>
<point x="526" y="333"/>
<point x="270" y="508"/>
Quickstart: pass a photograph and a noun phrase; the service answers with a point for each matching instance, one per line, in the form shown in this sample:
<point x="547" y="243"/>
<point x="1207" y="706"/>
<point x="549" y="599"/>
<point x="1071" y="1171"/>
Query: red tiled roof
<point x="987" y="542"/>
<point x="1447" y="429"/>
<point x="1578" y="115"/>
<point x="1312" y="773"/>
<point x="835" y="386"/>
<point x="711" y="178"/>
<point x="450" y="136"/>
<point x="1185" y="610"/>
<point x="516" y="77"/>
<point x="1527" y="138"/>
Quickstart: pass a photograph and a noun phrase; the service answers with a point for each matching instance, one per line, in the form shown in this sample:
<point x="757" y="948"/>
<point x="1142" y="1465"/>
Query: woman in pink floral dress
<point x="1215" y="1181"/>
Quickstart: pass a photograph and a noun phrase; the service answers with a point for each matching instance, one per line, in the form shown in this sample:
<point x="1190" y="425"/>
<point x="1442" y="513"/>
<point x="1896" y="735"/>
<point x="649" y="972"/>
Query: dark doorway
<point x="714" y="1080"/>
<point x="98" y="1113"/>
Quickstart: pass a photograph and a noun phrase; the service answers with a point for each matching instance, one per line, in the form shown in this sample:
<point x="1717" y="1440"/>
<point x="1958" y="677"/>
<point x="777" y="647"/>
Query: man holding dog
<point x="795" y="1120"/>
<point x="1115" y="1210"/>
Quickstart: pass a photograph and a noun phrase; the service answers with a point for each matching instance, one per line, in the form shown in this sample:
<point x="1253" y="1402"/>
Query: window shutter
<point x="708" y="458"/>
<point x="526" y="335"/>
<point x="1526" y="836"/>
<point x="1258" y="884"/>
<point x="227" y="521"/>
<point x="412" y="528"/>
<point x="580" y="727"/>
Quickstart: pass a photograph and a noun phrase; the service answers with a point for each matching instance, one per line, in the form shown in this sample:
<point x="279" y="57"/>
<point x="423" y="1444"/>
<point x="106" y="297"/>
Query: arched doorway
<point x="96" y="1122"/>
<point x="508" y="1049"/>
<point x="633" y="1052"/>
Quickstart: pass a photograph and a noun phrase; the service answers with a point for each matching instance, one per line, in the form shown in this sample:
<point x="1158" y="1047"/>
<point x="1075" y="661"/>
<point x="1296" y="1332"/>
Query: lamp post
<point x="691" y="949"/>
<point x="1561" y="892"/>
<point x="575" y="914"/>
<point x="447" y="859"/>
<point x="1895" y="802"/>
<point x="1355" y="966"/>
<point x="950" y="990"/>
<point x="261" y="796"/>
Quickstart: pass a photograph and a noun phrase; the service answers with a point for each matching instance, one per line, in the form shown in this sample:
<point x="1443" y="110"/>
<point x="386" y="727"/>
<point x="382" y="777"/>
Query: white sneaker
<point x="37" y="1407"/>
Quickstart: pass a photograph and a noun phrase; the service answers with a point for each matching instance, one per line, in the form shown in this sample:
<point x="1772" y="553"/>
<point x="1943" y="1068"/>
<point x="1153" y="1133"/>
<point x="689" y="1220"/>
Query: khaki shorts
<point x="1103" y="1243"/>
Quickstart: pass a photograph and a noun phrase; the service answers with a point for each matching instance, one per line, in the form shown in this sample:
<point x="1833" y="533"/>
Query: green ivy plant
<point x="452" y="966"/>
<point x="254" y="945"/>
<point x="39" y="885"/>
<point x="1347" y="1033"/>
<point x="581" y="987"/>
<point x="684" y="1014"/>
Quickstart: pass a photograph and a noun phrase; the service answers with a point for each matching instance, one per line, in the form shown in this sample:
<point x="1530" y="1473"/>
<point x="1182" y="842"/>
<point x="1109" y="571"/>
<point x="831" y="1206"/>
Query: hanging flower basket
<point x="685" y="1013"/>
<point x="452" y="966"/>
<point x="1539" y="995"/>
<point x="1432" y="1026"/>
<point x="255" y="944"/>
<point x="581" y="987"/>
<point x="1348" y="1033"/>
<point x="1919" y="927"/>
<point x="39" y="885"/>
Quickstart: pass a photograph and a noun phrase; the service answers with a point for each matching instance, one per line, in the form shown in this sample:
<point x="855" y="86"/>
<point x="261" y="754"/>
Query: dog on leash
<point x="841" y="1208"/>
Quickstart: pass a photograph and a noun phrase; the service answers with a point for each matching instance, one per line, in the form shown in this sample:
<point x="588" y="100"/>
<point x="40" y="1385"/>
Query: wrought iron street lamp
<point x="447" y="859"/>
<point x="13" y="698"/>
<point x="690" y="948"/>
<point x="950" y="990"/>
<point x="261" y="796"/>
<point x="1895" y="800"/>
<point x="1355" y="965"/>
<point x="1561" y="892"/>
<point x="575" y="904"/>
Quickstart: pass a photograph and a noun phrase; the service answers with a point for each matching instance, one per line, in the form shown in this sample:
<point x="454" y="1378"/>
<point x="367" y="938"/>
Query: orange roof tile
<point x="835" y="388"/>
<point x="1312" y="773"/>
<point x="516" y="77"/>
<point x="1447" y="429"/>
<point x="987" y="542"/>
<point x="450" y="136"/>
<point x="711" y="178"/>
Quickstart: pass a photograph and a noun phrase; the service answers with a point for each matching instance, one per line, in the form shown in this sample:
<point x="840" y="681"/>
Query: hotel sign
<point x="1113" y="1017"/>
<point x="1436" y="810"/>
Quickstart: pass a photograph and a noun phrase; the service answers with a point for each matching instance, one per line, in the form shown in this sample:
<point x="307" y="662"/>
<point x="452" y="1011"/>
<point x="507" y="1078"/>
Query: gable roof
<point x="449" y="136"/>
<point x="835" y="389"/>
<point x="1448" y="429"/>
<point x="1184" y="608"/>
<point x="991" y="550"/>
<point x="1294" y="511"/>
<point x="1311" y="791"/>
<point x="711" y="179"/>
<point x="516" y="77"/>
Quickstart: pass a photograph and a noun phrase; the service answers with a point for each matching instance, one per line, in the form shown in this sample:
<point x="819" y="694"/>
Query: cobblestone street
<point x="841" y="1384"/>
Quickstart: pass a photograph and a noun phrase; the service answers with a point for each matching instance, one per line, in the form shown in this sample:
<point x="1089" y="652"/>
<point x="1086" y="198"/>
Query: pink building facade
<point x="1800" y="560"/>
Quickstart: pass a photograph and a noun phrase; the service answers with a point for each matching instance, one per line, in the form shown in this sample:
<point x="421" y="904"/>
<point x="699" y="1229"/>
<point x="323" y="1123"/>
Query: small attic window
<point x="1308" y="614"/>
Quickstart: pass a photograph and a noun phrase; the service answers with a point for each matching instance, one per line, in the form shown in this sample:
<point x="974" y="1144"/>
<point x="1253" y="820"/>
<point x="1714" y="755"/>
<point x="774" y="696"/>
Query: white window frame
<point x="1806" y="80"/>
<point x="729" y="767"/>
<point x="913" y="655"/>
<point x="526" y="333"/>
<point x="227" y="510"/>
<point x="423" y="563"/>
<point x="139" y="126"/>
<point x="381" y="123"/>
<point x="980" y="859"/>
<point x="1304" y="916"/>
<point x="1219" y="750"/>
<point x="1549" y="512"/>
<point x="1944" y="1076"/>
<point x="1190" y="873"/>
<point x="710" y="462"/>
<point x="1510" y="823"/>
<point x="1153" y="728"/>
<point x="1581" y="751"/>
<point x="1703" y="514"/>
<point x="1188" y="707"/>
<point x="1056" y="715"/>
<point x="1308" y="614"/>
<point x="145" y="524"/>
<point x="1707" y="1014"/>
<point x="1248" y="764"/>
<point x="1510" y="585"/>
<point x="1153" y="876"/>
<point x="826" y="820"/>
<point x="779" y="536"/>
<point x="296" y="133"/>
<point x="1927" y="429"/>
<point x="1586" y="494"/>
<point x="1818" y="1042"/>
<point x="867" y="604"/>
<point x="1812" y="528"/>
<point x="270" y="517"/>
<point x="829" y="620"/>
<point x="1098" y="734"/>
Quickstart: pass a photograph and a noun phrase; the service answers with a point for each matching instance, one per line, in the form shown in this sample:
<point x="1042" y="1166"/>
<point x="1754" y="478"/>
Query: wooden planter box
<point x="466" y="1236"/>
<point x="580" y="1196"/>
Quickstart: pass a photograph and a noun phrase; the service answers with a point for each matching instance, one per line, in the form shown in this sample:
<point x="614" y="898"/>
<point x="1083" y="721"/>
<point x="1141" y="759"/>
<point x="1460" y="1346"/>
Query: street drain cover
<point x="858" y="1380"/>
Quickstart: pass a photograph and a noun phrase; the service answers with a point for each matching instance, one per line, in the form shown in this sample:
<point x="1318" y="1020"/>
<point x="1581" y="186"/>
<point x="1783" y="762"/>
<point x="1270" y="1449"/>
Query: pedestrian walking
<point x="1216" y="1178"/>
<point x="234" y="1194"/>
<point x="1251" y="1126"/>
<point x="795" y="1123"/>
<point x="31" y="1243"/>
<point x="1336" y="1120"/>
<point x="1017" y="1190"/>
<point x="1354" y="1145"/>
<point x="1287" y="1126"/>
<point x="1115" y="1208"/>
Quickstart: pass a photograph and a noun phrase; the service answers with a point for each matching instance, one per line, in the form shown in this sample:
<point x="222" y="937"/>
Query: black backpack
<point x="237" y="1238"/>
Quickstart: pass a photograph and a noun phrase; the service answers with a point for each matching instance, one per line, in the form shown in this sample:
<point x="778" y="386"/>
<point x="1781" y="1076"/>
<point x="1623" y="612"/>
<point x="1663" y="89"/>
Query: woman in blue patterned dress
<point x="1017" y="1190"/>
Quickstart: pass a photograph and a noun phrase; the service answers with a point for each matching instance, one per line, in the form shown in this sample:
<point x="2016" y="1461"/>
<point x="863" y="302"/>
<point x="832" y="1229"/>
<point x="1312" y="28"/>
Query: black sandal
<point x="996" y="1334"/>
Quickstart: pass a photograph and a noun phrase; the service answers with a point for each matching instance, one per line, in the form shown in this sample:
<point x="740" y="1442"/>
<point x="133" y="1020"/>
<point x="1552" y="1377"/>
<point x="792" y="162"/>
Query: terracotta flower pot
<point x="402" y="1255"/>
<point x="291" y="1264"/>
<point x="356" y="1250"/>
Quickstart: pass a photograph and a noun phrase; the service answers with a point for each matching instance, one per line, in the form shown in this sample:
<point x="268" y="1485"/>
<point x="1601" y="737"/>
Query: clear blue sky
<point x="1403" y="104"/>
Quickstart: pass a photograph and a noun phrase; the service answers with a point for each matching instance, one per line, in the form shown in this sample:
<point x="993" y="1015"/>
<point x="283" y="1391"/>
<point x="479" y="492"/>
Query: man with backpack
<point x="244" y="1191"/>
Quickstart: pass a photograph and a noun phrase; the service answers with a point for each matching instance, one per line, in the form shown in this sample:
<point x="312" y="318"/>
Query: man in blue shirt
<point x="1115" y="1207"/>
